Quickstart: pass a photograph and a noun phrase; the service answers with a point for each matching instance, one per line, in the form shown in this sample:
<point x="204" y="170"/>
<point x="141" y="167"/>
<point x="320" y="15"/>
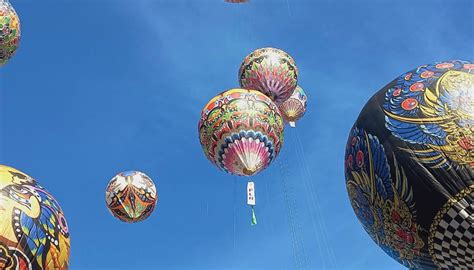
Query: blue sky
<point x="102" y="86"/>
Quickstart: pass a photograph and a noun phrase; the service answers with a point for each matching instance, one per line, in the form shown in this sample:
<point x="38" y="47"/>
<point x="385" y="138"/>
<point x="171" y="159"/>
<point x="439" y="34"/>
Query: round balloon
<point x="33" y="230"/>
<point x="241" y="131"/>
<point x="294" y="108"/>
<point x="131" y="196"/>
<point x="270" y="71"/>
<point x="409" y="167"/>
<point x="9" y="31"/>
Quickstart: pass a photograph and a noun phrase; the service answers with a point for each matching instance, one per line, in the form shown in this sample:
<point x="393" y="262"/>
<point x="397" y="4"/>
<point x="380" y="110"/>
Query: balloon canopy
<point x="236" y="1"/>
<point x="409" y="167"/>
<point x="33" y="230"/>
<point x="131" y="196"/>
<point x="9" y="31"/>
<point x="270" y="71"/>
<point x="294" y="108"/>
<point x="241" y="131"/>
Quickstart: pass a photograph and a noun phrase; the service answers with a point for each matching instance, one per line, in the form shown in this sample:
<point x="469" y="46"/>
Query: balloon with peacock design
<point x="409" y="167"/>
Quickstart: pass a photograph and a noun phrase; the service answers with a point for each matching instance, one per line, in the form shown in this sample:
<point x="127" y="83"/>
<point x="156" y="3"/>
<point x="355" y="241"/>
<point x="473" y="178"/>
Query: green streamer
<point x="254" y="217"/>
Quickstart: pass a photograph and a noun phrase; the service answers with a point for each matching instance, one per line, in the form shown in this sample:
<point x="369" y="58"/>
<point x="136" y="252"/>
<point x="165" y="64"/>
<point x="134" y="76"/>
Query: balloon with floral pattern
<point x="270" y="71"/>
<point x="9" y="31"/>
<point x="241" y="131"/>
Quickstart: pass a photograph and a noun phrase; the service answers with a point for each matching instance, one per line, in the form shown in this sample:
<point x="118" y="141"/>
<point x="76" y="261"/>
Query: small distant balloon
<point x="9" y="31"/>
<point x="131" y="196"/>
<point x="270" y="71"/>
<point x="241" y="131"/>
<point x="294" y="108"/>
<point x="236" y="1"/>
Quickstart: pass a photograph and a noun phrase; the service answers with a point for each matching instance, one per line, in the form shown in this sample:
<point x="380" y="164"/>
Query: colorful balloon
<point x="131" y="196"/>
<point x="241" y="131"/>
<point x="294" y="108"/>
<point x="409" y="167"/>
<point x="33" y="230"/>
<point x="270" y="71"/>
<point x="9" y="31"/>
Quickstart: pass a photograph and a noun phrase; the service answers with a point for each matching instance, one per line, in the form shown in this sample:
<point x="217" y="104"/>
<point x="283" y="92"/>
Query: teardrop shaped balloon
<point x="241" y="131"/>
<point x="294" y="108"/>
<point x="9" y="31"/>
<point x="33" y="230"/>
<point x="131" y="196"/>
<point x="409" y="167"/>
<point x="270" y="71"/>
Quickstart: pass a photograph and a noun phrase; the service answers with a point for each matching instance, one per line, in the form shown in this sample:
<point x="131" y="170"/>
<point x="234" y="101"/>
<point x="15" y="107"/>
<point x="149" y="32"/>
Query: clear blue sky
<point x="102" y="86"/>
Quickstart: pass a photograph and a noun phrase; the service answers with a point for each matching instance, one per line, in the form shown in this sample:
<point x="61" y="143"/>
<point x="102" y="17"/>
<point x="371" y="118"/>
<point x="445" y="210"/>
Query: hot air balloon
<point x="33" y="230"/>
<point x="9" y="31"/>
<point x="241" y="131"/>
<point x="131" y="196"/>
<point x="270" y="71"/>
<point x="294" y="108"/>
<point x="236" y="1"/>
<point x="409" y="167"/>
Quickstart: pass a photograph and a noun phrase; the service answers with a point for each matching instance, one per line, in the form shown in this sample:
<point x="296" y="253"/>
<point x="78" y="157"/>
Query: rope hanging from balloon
<point x="299" y="250"/>
<point x="234" y="194"/>
<point x="288" y="6"/>
<point x="319" y="227"/>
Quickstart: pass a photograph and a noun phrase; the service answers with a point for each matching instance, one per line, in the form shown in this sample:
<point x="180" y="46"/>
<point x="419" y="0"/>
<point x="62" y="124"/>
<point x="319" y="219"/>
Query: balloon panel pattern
<point x="294" y="108"/>
<point x="241" y="131"/>
<point x="9" y="31"/>
<point x="33" y="230"/>
<point x="409" y="167"/>
<point x="270" y="71"/>
<point x="131" y="196"/>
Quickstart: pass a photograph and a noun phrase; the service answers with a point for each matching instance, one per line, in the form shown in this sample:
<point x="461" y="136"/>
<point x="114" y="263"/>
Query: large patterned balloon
<point x="131" y="196"/>
<point x="270" y="71"/>
<point x="409" y="167"/>
<point x="33" y="231"/>
<point x="9" y="31"/>
<point x="294" y="108"/>
<point x="241" y="131"/>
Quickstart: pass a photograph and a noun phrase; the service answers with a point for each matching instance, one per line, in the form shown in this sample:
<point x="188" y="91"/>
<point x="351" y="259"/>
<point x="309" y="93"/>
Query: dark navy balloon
<point x="409" y="167"/>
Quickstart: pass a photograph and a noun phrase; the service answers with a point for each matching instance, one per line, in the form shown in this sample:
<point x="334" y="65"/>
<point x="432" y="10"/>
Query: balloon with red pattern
<point x="241" y="131"/>
<point x="270" y="71"/>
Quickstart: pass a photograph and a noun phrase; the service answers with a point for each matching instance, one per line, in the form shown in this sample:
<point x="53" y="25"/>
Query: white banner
<point x="250" y="193"/>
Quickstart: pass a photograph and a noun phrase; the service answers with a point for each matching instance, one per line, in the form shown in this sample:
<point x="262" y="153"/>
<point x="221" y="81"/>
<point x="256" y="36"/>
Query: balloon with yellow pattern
<point x="9" y="31"/>
<point x="33" y="230"/>
<point x="131" y="196"/>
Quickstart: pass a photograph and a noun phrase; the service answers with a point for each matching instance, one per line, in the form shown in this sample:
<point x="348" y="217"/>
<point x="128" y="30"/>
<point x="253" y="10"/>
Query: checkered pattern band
<point x="451" y="240"/>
